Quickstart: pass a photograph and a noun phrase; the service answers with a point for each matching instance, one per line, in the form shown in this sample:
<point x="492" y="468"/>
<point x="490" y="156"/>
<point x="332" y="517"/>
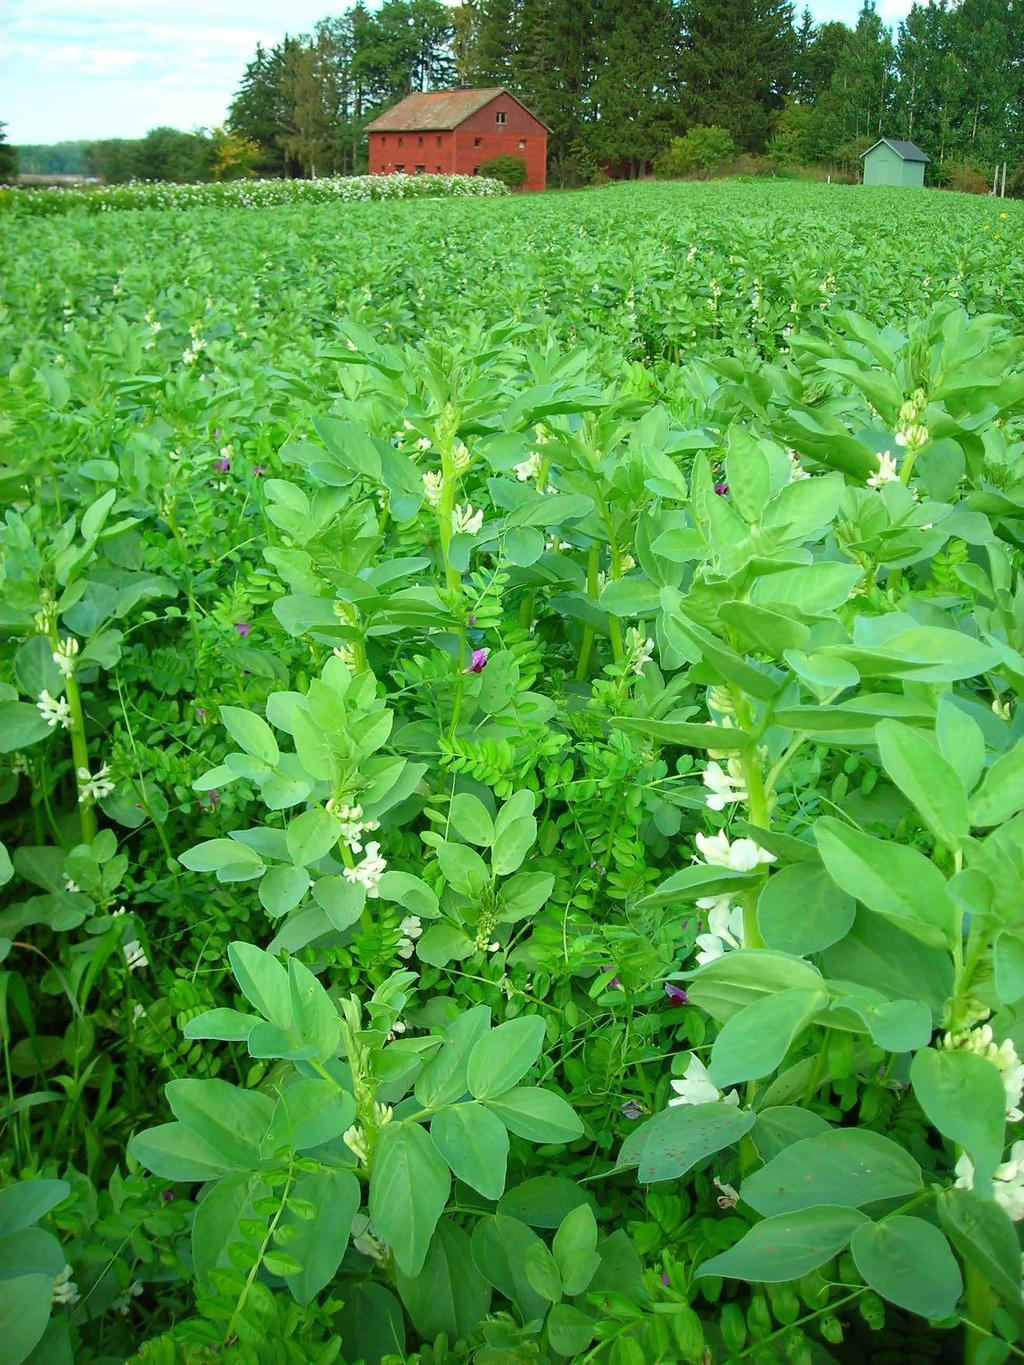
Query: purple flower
<point x="223" y="465"/>
<point x="242" y="628"/>
<point x="216" y="433"/>
<point x="631" y="1110"/>
<point x="664" y="1279"/>
<point x="675" y="994"/>
<point x="614" y="984"/>
<point x="471" y="621"/>
<point x="201" y="714"/>
<point x="478" y="662"/>
<point x="259" y="469"/>
<point x="721" y="489"/>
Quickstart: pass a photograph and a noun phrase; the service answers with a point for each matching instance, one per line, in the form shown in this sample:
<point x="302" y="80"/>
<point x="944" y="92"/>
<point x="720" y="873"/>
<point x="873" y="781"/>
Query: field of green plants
<point x="513" y="780"/>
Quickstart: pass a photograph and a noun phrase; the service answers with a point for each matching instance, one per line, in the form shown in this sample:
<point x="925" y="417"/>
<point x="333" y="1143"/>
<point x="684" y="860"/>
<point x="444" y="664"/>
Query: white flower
<point x="424" y="443"/>
<point x="346" y="653"/>
<point x="796" y="469"/>
<point x="64" y="655"/>
<point x="65" y="1291"/>
<point x="94" y="788"/>
<point x="365" y="1240"/>
<point x="410" y="929"/>
<point x="431" y="487"/>
<point x="1003" y="1057"/>
<point x="369" y="872"/>
<point x="741" y="855"/>
<point x="640" y="648"/>
<point x="728" y="1197"/>
<point x="1007" y="1181"/>
<point x="461" y="457"/>
<point x="138" y="1012"/>
<point x="886" y="472"/>
<point x="697" y="1087"/>
<point x="355" y="1140"/>
<point x="353" y="826"/>
<point x="724" y="786"/>
<point x="134" y="955"/>
<point x="70" y="886"/>
<point x="529" y="468"/>
<point x="54" y="710"/>
<point x="466" y="520"/>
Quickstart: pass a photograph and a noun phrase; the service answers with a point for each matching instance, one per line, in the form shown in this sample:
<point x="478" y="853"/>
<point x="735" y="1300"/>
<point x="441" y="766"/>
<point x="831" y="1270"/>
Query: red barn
<point x="455" y="132"/>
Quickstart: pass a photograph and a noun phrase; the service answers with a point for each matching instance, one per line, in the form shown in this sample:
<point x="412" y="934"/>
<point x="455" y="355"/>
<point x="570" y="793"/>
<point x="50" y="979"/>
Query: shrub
<point x="510" y="170"/>
<point x="701" y="149"/>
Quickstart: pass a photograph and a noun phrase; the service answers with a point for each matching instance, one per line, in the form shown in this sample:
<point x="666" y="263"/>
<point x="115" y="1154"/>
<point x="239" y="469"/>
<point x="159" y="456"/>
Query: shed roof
<point x="438" y="110"/>
<point x="909" y="151"/>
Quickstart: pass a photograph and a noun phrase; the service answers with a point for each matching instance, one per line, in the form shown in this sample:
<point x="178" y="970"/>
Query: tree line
<point x="617" y="80"/>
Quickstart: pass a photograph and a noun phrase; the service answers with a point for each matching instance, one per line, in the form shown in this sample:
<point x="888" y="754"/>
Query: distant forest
<point x="617" y="81"/>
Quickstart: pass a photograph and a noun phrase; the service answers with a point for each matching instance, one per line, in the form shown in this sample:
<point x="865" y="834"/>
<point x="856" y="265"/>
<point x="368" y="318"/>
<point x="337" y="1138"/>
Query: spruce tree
<point x="8" y="157"/>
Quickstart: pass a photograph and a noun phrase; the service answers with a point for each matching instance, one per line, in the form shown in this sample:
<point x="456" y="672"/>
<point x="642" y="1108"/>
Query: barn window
<point x="399" y="142"/>
<point x="419" y="142"/>
<point x="400" y="167"/>
<point x="383" y="139"/>
<point x="420" y="170"/>
<point x="439" y="168"/>
<point x="499" y="117"/>
<point x="476" y="170"/>
<point x="478" y="142"/>
<point x="439" y="142"/>
<point x="522" y="142"/>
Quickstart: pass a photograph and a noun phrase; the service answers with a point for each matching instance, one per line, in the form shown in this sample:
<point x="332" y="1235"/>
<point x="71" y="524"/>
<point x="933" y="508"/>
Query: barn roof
<point x="909" y="151"/>
<point x="438" y="110"/>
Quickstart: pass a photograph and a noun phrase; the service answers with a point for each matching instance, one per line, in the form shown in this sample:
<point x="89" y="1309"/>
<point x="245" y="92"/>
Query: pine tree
<point x="737" y="64"/>
<point x="8" y="157"/>
<point x="634" y="97"/>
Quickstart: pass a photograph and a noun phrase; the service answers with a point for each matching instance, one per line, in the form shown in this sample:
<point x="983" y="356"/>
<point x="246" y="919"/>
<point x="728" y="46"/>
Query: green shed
<point x="894" y="163"/>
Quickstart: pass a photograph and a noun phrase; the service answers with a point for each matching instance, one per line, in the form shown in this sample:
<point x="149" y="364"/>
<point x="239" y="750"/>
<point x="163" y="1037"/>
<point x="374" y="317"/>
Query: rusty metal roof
<point x="437" y="110"/>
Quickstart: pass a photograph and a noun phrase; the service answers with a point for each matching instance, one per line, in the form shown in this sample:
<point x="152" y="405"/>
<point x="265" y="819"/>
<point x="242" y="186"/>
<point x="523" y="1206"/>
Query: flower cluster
<point x="353" y="826"/>
<point x="466" y="521"/>
<point x="725" y="920"/>
<point x="431" y="487"/>
<point x="94" y="787"/>
<point x="886" y="472"/>
<point x="410" y="929"/>
<point x="54" y="710"/>
<point x="1007" y="1181"/>
<point x="369" y="872"/>
<point x="640" y="647"/>
<point x="697" y="1087"/>
<point x="725" y="785"/>
<point x="65" y="1291"/>
<point x="64" y="655"/>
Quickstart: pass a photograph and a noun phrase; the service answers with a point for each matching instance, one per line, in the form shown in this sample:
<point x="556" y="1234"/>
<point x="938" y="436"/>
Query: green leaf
<point x="984" y="1235"/>
<point x="341" y="901"/>
<point x="308" y="1113"/>
<point x="629" y="597"/>
<point x="753" y="1042"/>
<point x="371" y="1323"/>
<point x="21" y="724"/>
<point x="232" y="1122"/>
<point x="504" y="1055"/>
<point x="463" y="868"/>
<point x="962" y="1094"/>
<point x="925" y="778"/>
<point x="315" y="1020"/>
<point x="215" y="1227"/>
<point x="523" y="895"/>
<point x="889" y="878"/>
<point x="570" y="1332"/>
<point x="320" y="1242"/>
<point x="845" y="1167"/>
<point x="282" y="888"/>
<point x="25" y="1203"/>
<point x="443" y="1080"/>
<point x="672" y="1142"/>
<point x="542" y="1272"/>
<point x="311" y="836"/>
<point x="174" y="1152"/>
<point x="512" y="842"/>
<point x="499" y="1247"/>
<point x="810" y="589"/>
<point x="470" y="820"/>
<point x="24" y="1312"/>
<point x="444" y="943"/>
<point x="748" y="475"/>
<point x="474" y="1143"/>
<point x="787" y="1247"/>
<point x="684" y="733"/>
<point x="543" y="1200"/>
<point x="251" y="733"/>
<point x="733" y="981"/>
<point x="35" y="670"/>
<point x="961" y="741"/>
<point x="801" y="910"/>
<point x="908" y="1262"/>
<point x="227" y="1026"/>
<point x="231" y="860"/>
<point x="1008" y="960"/>
<point x="575" y="1250"/>
<point x="537" y="1115"/>
<point x="779" y="1126"/>
<point x="1001" y="793"/>
<point x="409" y="1188"/>
<point x="449" y="1295"/>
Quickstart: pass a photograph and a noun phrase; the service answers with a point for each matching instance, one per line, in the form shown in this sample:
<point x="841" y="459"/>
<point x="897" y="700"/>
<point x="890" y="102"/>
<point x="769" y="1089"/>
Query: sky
<point x="73" y="69"/>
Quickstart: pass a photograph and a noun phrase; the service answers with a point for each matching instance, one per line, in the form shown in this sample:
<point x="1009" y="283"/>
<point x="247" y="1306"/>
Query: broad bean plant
<point x="524" y="848"/>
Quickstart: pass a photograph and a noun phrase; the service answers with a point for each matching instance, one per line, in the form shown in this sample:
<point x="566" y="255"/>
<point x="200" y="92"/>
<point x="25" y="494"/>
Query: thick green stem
<point x="588" y="631"/>
<point x="979" y="1313"/>
<point x="80" y="758"/>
